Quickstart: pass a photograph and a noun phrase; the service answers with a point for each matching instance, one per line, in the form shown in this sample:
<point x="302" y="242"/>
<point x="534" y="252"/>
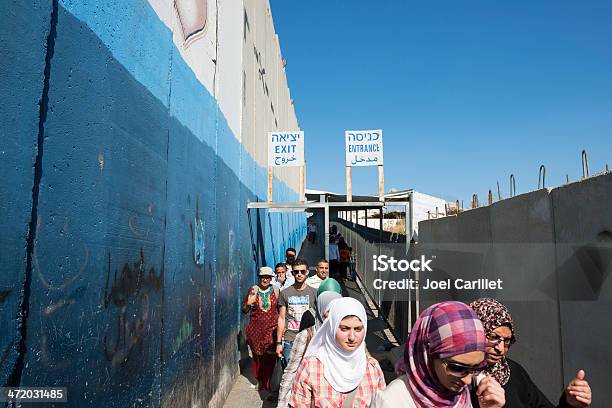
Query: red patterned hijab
<point x="442" y="330"/>
<point x="493" y="315"/>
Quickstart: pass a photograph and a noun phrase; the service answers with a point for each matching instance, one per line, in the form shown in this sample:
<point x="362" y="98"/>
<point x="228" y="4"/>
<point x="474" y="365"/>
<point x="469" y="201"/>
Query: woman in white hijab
<point x="336" y="372"/>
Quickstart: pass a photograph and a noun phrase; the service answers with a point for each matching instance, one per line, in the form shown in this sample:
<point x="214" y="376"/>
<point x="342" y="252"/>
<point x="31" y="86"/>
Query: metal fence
<point x="367" y="243"/>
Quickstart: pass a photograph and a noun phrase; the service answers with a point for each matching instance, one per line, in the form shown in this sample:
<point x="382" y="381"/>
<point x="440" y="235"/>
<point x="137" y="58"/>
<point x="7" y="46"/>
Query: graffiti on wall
<point x="197" y="236"/>
<point x="54" y="285"/>
<point x="4" y="293"/>
<point x="128" y="299"/>
<point x="192" y="16"/>
<point x="143" y="228"/>
<point x="183" y="336"/>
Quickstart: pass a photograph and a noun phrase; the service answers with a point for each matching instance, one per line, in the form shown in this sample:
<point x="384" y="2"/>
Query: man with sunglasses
<point x="293" y="302"/>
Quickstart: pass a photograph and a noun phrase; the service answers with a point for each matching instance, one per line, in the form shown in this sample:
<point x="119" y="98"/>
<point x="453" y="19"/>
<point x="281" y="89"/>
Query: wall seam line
<point x="556" y="272"/>
<point x="24" y="307"/>
<point x="163" y="268"/>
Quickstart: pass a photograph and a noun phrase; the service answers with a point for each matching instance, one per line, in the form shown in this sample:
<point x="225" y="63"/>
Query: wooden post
<point x="326" y="230"/>
<point x="302" y="183"/>
<point x="381" y="184"/>
<point x="270" y="182"/>
<point x="349" y="184"/>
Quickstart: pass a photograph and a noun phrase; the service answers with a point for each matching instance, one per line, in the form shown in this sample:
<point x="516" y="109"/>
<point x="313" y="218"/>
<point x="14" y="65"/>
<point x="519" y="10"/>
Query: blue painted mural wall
<point x="22" y="41"/>
<point x="125" y="242"/>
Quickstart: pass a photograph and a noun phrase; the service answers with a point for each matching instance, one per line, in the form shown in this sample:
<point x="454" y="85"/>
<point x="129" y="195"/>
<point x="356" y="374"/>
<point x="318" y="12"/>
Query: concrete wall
<point x="553" y="249"/>
<point x="23" y="42"/>
<point x="125" y="242"/>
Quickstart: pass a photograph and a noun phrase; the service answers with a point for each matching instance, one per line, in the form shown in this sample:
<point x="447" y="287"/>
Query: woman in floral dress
<point x="261" y="303"/>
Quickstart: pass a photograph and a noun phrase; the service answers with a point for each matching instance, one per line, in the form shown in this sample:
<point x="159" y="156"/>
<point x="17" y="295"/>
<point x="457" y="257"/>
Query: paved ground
<point x="379" y="340"/>
<point x="244" y="393"/>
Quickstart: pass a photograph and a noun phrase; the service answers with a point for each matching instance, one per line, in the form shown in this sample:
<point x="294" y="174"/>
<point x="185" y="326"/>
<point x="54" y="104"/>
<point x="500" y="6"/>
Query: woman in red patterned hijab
<point x="445" y="348"/>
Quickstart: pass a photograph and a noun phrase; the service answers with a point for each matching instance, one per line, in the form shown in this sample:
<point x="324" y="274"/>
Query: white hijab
<point x="324" y="302"/>
<point x="342" y="369"/>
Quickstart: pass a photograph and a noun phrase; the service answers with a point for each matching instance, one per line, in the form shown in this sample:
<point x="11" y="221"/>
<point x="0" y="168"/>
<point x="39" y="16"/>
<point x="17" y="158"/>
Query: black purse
<point x="277" y="375"/>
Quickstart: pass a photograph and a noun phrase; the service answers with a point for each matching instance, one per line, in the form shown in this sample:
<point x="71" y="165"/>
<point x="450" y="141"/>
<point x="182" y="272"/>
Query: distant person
<point x="290" y="254"/>
<point x="283" y="279"/>
<point x="333" y="230"/>
<point x="444" y="350"/>
<point x="336" y="370"/>
<point x="293" y="302"/>
<point x="322" y="270"/>
<point x="344" y="261"/>
<point x="521" y="392"/>
<point x="334" y="258"/>
<point x="352" y="265"/>
<point x="302" y="339"/>
<point x="312" y="231"/>
<point x="261" y="304"/>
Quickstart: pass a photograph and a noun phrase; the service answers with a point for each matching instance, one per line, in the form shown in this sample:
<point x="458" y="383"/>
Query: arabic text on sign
<point x="278" y="160"/>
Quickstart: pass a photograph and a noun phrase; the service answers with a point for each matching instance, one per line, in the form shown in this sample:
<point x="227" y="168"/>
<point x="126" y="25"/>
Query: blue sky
<point x="466" y="92"/>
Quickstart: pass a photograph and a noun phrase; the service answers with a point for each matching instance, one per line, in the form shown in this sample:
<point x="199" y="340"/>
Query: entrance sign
<point x="285" y="149"/>
<point x="363" y="147"/>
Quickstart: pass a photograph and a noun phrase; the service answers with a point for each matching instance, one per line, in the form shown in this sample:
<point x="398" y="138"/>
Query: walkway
<point x="379" y="340"/>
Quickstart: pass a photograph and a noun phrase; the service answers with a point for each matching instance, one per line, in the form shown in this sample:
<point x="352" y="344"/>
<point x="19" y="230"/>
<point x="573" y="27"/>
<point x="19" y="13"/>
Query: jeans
<point x="287" y="346"/>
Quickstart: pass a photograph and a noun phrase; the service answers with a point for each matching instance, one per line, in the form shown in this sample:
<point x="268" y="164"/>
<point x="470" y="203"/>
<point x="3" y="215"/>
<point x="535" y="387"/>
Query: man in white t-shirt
<point x="322" y="274"/>
<point x="283" y="279"/>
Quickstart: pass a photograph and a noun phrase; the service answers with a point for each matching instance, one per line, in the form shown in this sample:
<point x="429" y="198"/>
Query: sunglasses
<point x="461" y="370"/>
<point x="300" y="271"/>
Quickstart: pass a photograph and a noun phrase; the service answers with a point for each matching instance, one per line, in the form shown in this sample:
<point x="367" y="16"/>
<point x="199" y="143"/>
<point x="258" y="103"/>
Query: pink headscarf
<point x="442" y="330"/>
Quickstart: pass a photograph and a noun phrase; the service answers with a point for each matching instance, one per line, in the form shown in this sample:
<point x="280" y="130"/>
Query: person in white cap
<point x="261" y="302"/>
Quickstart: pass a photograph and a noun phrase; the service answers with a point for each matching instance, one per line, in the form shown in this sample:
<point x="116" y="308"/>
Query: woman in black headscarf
<point x="521" y="392"/>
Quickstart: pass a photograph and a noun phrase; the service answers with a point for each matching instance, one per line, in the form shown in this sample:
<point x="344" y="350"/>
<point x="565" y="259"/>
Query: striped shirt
<point x="297" y="352"/>
<point x="310" y="383"/>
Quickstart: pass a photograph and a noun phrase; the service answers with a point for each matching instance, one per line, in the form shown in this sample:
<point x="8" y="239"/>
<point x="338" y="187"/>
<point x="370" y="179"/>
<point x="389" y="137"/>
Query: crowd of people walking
<point x="455" y="355"/>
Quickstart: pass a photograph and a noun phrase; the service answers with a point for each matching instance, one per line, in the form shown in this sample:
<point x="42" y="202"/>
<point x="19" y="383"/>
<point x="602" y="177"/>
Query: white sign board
<point x="364" y="147"/>
<point x="285" y="149"/>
